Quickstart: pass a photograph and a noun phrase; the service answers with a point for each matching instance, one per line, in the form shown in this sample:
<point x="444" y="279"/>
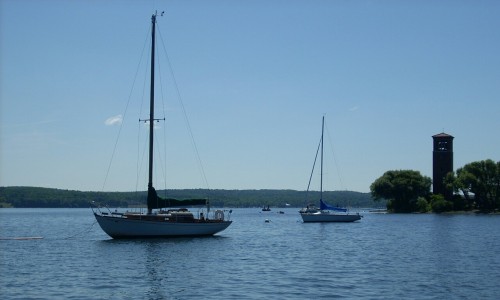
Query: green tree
<point x="401" y="188"/>
<point x="479" y="182"/>
<point x="439" y="204"/>
<point x="459" y="202"/>
<point x="422" y="205"/>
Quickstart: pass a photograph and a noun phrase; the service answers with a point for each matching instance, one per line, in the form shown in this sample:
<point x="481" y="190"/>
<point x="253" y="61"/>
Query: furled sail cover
<point x="325" y="206"/>
<point x="155" y="202"/>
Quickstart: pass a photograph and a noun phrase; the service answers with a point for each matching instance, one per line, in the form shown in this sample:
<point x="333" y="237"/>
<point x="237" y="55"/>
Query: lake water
<point x="384" y="256"/>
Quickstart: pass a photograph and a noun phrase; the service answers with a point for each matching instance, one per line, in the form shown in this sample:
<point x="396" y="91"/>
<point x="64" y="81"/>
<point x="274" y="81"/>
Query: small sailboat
<point x="159" y="221"/>
<point x="326" y="212"/>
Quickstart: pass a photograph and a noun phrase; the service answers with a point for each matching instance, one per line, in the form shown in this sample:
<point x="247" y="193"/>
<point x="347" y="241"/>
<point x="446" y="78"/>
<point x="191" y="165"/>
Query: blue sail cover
<point x="325" y="206"/>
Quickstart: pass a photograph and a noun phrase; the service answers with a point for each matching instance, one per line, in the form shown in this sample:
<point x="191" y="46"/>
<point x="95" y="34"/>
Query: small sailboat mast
<point x="151" y="192"/>
<point x="321" y="170"/>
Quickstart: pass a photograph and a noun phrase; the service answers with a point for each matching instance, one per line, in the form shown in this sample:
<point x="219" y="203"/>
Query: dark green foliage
<point x="439" y="204"/>
<point x="402" y="188"/>
<point x="479" y="182"/>
<point x="460" y="203"/>
<point x="45" y="197"/>
<point x="274" y="198"/>
<point x="422" y="205"/>
<point x="48" y="198"/>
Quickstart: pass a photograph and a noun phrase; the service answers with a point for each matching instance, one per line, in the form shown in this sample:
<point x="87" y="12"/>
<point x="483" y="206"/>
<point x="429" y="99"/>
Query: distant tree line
<point x="476" y="186"/>
<point x="35" y="197"/>
<point x="48" y="198"/>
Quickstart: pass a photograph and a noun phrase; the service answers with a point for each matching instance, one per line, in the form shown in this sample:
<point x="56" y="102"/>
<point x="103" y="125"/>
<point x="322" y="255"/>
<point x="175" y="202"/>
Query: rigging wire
<point x="140" y="160"/>
<point x="314" y="164"/>
<point x="334" y="158"/>
<point x="124" y="114"/>
<point x="312" y="171"/>
<point x="161" y="163"/>
<point x="142" y="146"/>
<point x="200" y="164"/>
<point x="163" y="97"/>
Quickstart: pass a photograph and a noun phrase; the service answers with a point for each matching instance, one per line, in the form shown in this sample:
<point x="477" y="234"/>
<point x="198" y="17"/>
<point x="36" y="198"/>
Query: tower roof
<point x="442" y="135"/>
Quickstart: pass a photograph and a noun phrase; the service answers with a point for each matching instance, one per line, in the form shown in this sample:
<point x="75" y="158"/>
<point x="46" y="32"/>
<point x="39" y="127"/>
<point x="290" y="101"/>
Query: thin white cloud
<point x="354" y="108"/>
<point x="115" y="120"/>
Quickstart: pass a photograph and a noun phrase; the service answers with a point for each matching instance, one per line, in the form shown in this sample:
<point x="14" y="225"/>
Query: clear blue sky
<point x="255" y="78"/>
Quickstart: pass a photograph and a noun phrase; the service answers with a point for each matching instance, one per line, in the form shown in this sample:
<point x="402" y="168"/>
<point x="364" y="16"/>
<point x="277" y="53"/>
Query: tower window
<point x="443" y="146"/>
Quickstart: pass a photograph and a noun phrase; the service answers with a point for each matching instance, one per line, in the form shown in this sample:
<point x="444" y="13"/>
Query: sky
<point x="254" y="79"/>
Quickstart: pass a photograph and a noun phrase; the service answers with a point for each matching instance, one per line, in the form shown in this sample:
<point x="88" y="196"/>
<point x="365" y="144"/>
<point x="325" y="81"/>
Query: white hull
<point x="121" y="227"/>
<point x="329" y="217"/>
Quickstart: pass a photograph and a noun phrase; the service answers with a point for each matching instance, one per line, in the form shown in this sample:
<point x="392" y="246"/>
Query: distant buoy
<point x="267" y="221"/>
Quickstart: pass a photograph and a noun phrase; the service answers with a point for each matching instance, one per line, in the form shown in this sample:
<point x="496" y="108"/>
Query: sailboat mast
<point x="321" y="183"/>
<point x="151" y="107"/>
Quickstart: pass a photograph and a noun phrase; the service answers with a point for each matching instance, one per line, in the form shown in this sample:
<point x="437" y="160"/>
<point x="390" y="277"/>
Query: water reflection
<point x="156" y="278"/>
<point x="165" y="268"/>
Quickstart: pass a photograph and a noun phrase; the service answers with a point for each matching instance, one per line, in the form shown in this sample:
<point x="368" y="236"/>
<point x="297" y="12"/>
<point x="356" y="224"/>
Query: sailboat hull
<point x="329" y="217"/>
<point x="120" y="227"/>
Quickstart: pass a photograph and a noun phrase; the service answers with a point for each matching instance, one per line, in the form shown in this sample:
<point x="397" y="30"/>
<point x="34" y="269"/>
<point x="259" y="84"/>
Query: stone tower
<point x="442" y="163"/>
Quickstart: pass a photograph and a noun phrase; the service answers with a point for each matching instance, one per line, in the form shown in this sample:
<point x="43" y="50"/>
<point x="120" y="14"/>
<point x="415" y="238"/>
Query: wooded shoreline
<point x="37" y="197"/>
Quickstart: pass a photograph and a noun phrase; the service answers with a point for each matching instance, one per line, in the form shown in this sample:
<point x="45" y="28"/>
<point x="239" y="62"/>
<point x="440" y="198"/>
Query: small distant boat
<point x="266" y="208"/>
<point x="325" y="213"/>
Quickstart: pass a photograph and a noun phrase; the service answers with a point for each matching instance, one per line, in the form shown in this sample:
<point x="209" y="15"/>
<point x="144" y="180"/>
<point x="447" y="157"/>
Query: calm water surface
<point x="381" y="257"/>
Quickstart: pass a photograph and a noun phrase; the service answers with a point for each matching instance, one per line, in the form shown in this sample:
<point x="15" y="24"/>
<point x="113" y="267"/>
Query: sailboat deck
<point x="174" y="216"/>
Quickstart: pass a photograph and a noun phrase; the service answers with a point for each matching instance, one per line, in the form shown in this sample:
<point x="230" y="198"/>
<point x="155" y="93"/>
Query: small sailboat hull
<point x="329" y="217"/>
<point x="122" y="227"/>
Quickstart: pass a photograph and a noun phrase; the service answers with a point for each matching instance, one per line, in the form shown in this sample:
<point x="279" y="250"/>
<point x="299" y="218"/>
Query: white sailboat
<point x="159" y="221"/>
<point x="325" y="213"/>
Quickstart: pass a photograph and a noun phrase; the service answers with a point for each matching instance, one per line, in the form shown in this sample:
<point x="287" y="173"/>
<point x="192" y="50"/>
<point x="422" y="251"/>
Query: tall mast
<point x="151" y="110"/>
<point x="321" y="183"/>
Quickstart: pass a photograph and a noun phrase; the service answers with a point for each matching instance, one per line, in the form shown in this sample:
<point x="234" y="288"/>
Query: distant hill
<point x="36" y="197"/>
